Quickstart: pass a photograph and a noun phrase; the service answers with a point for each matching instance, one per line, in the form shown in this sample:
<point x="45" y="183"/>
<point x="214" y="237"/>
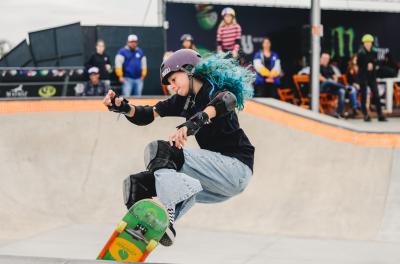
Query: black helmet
<point x="178" y="61"/>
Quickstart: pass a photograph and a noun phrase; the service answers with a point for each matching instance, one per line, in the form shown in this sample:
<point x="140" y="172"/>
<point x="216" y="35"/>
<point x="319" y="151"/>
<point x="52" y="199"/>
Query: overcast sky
<point x="18" y="17"/>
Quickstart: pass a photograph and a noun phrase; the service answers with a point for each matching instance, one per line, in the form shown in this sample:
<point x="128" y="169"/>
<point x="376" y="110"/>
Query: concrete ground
<point x="323" y="190"/>
<point x="202" y="246"/>
<point x="393" y="124"/>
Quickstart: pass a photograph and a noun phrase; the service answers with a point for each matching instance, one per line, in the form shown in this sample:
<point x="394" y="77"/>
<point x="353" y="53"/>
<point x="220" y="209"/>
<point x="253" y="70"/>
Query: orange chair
<point x="327" y="102"/>
<point x="344" y="80"/>
<point x="287" y="95"/>
<point x="396" y="94"/>
<point x="299" y="82"/>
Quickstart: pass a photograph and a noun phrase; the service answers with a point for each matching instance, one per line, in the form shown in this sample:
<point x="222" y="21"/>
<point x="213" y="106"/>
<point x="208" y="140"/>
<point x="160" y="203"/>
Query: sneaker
<point x="169" y="237"/>
<point x="382" y="118"/>
<point x="336" y="115"/>
<point x="367" y="118"/>
<point x="353" y="113"/>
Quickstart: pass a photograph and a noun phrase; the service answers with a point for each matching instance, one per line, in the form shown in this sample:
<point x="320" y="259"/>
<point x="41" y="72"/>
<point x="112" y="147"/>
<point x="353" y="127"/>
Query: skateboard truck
<point x="138" y="234"/>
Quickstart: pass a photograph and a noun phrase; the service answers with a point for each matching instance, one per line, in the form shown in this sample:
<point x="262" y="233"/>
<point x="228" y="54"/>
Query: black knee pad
<point x="161" y="155"/>
<point x="137" y="187"/>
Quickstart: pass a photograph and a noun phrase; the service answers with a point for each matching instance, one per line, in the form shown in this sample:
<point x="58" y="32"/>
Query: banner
<point x="288" y="29"/>
<point x="43" y="90"/>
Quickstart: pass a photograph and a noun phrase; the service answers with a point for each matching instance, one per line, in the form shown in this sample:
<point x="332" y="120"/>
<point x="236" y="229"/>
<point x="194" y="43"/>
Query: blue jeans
<point x="335" y="88"/>
<point x="132" y="87"/>
<point x="205" y="177"/>
<point x="353" y="96"/>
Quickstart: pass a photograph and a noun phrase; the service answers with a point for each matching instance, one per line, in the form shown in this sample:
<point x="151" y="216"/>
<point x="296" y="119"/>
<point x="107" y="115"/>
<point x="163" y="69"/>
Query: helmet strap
<point x="191" y="96"/>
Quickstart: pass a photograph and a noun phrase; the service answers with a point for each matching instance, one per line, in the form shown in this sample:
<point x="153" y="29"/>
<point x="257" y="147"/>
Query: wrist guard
<point x="124" y="108"/>
<point x="195" y="123"/>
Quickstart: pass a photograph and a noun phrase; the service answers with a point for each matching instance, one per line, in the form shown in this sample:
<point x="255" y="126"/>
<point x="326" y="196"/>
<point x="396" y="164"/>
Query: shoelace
<point x="171" y="215"/>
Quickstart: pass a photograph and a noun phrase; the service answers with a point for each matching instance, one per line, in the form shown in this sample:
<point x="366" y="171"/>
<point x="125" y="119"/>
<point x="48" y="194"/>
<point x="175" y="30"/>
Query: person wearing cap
<point x="187" y="42"/>
<point x="131" y="67"/>
<point x="101" y="60"/>
<point x="95" y="86"/>
<point x="367" y="60"/>
<point x="208" y="91"/>
<point x="229" y="33"/>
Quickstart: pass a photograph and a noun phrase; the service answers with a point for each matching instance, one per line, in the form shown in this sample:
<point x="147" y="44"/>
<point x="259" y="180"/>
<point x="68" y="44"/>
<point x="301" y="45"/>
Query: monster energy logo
<point x="341" y="36"/>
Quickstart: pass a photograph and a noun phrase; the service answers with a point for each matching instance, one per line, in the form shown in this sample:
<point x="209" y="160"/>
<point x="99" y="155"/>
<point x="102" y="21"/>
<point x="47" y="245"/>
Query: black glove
<point x="124" y="108"/>
<point x="195" y="123"/>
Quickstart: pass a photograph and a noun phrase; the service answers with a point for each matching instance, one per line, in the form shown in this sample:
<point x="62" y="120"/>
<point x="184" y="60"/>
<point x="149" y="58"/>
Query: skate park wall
<point x="63" y="162"/>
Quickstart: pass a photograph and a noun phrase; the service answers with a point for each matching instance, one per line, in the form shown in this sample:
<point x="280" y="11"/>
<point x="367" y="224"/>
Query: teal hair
<point x="226" y="73"/>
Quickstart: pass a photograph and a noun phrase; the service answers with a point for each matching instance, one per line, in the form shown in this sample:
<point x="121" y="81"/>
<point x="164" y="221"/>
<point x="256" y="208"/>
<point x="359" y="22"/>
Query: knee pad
<point x="137" y="187"/>
<point x="161" y="155"/>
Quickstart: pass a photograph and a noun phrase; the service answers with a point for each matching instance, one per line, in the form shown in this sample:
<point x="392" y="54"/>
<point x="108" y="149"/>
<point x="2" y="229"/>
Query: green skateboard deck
<point x="138" y="233"/>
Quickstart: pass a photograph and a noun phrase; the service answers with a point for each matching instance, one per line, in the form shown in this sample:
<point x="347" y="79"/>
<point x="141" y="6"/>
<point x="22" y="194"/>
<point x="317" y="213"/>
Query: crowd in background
<point x="352" y="85"/>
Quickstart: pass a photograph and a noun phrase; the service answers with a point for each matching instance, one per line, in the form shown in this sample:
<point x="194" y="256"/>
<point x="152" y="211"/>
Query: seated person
<point x="330" y="84"/>
<point x="95" y="86"/>
<point x="352" y="78"/>
<point x="387" y="67"/>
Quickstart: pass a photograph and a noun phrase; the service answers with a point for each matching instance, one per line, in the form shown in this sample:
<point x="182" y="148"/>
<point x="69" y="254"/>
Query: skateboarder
<point x="208" y="90"/>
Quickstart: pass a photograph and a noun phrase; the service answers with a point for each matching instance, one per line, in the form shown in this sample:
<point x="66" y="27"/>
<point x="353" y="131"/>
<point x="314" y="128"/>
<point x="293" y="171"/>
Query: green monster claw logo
<point x="47" y="91"/>
<point x="340" y="33"/>
<point x="206" y="17"/>
<point x="123" y="254"/>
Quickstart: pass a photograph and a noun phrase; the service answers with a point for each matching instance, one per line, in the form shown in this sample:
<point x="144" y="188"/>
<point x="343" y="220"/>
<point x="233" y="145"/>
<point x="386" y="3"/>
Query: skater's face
<point x="100" y="47"/>
<point x="94" y="78"/>
<point x="368" y="45"/>
<point x="266" y="44"/>
<point x="179" y="83"/>
<point x="132" y="44"/>
<point x="325" y="58"/>
<point x="186" y="44"/>
<point x="228" y="19"/>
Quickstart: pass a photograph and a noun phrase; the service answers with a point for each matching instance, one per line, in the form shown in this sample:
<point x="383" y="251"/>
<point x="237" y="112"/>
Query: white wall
<point x="17" y="18"/>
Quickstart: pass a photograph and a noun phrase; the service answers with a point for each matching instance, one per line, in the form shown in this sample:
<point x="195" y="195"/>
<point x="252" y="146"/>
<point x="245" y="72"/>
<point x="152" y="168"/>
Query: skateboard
<point x="138" y="233"/>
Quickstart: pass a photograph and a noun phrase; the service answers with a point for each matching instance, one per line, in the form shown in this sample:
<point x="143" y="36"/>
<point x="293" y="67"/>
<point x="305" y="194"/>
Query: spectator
<point x="131" y="67"/>
<point x="229" y="33"/>
<point x="388" y="67"/>
<point x="367" y="58"/>
<point x="187" y="42"/>
<point x="353" y="82"/>
<point x="95" y="86"/>
<point x="268" y="69"/>
<point x="101" y="60"/>
<point x="330" y="84"/>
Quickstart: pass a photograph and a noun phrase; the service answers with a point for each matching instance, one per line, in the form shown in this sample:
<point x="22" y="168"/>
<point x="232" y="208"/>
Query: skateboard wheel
<point x="151" y="246"/>
<point x="121" y="226"/>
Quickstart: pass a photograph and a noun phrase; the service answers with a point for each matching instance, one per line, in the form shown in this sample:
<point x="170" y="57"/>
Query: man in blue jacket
<point x="131" y="67"/>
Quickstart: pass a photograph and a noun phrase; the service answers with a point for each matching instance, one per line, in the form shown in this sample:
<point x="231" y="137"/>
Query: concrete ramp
<point x="63" y="163"/>
<point x="37" y="260"/>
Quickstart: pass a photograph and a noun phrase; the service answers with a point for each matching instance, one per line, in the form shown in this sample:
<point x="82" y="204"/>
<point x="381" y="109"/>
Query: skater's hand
<point x="109" y="96"/>
<point x="107" y="101"/>
<point x="120" y="104"/>
<point x="179" y="137"/>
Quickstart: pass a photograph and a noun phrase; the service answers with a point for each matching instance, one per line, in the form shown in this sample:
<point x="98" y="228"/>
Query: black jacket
<point x="99" y="61"/>
<point x="365" y="57"/>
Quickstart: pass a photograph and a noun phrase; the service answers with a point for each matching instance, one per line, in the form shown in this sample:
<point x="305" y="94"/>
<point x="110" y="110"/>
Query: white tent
<point x="356" y="5"/>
